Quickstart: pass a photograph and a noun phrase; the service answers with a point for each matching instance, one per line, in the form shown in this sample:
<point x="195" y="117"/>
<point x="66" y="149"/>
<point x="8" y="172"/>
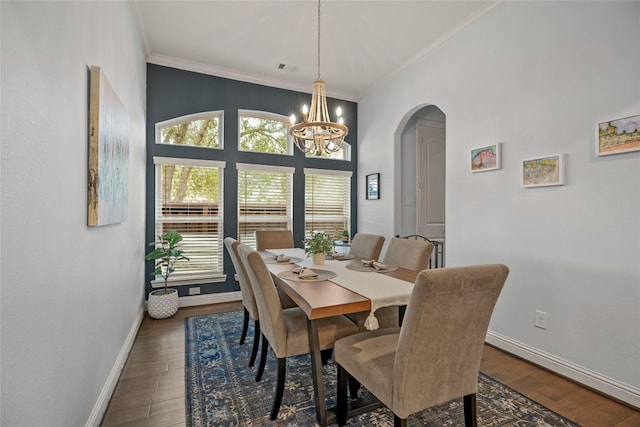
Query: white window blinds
<point x="189" y="200"/>
<point x="327" y="202"/>
<point x="265" y="200"/>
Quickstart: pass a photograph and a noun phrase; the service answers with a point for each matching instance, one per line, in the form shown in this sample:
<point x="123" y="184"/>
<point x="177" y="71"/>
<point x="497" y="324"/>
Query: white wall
<point x="536" y="76"/>
<point x="71" y="294"/>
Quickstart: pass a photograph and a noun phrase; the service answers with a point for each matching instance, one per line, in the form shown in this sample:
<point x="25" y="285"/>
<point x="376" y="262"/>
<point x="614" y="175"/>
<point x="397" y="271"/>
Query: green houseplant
<point x="318" y="245"/>
<point x="163" y="303"/>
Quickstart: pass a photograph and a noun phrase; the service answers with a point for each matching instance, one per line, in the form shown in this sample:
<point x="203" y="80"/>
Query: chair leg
<point x="354" y="386"/>
<point x="263" y="358"/>
<point x="256" y="342"/>
<point x="325" y="355"/>
<point x="399" y="422"/>
<point x="282" y="372"/>
<point x="470" y="410"/>
<point x="245" y="326"/>
<point x="341" y="396"/>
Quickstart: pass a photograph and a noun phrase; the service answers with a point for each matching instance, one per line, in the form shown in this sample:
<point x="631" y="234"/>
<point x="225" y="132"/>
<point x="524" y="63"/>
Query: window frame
<point x="219" y="114"/>
<point x="289" y="197"/>
<point x="348" y="186"/>
<point x="186" y="279"/>
<point x="266" y="115"/>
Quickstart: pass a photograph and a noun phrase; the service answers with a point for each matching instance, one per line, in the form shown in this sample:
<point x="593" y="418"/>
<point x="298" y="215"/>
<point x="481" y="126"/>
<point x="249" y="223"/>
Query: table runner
<point x="382" y="290"/>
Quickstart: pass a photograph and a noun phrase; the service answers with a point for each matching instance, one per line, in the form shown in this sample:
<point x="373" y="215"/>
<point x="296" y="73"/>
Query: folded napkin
<point x="283" y="258"/>
<point x="307" y="273"/>
<point x="375" y="264"/>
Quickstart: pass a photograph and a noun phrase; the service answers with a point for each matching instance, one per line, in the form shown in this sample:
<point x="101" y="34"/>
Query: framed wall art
<point x="618" y="136"/>
<point x="543" y="171"/>
<point x="373" y="186"/>
<point x="108" y="173"/>
<point x="486" y="158"/>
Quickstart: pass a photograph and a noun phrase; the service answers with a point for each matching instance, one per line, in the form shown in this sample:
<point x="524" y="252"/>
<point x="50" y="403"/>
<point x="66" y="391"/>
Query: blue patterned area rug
<point x="221" y="388"/>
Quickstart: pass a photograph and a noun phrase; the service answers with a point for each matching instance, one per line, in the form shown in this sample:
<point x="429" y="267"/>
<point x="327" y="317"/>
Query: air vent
<point x="285" y="67"/>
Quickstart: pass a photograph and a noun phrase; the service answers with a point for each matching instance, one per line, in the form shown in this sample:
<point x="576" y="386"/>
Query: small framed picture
<point x="618" y="136"/>
<point x="486" y="158"/>
<point x="543" y="171"/>
<point x="373" y="186"/>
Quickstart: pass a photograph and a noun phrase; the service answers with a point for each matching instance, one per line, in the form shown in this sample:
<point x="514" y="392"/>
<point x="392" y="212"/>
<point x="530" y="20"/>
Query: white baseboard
<point x="608" y="386"/>
<point x="204" y="299"/>
<point x="99" y="409"/>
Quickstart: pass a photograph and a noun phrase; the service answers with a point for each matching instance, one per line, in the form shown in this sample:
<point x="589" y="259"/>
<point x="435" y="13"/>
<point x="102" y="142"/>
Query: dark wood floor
<point x="151" y="390"/>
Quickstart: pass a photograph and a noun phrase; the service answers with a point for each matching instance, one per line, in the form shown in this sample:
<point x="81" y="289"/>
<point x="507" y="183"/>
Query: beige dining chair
<point x="285" y="330"/>
<point x="405" y="253"/>
<point x="434" y="357"/>
<point x="274" y="239"/>
<point x="366" y="246"/>
<point x="248" y="298"/>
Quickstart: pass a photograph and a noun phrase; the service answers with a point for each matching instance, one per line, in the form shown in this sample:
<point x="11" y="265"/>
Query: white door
<point x="431" y="173"/>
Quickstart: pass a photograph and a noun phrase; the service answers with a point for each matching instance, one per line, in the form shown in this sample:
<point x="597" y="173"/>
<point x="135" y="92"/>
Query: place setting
<point x="270" y="258"/>
<point x="336" y="256"/>
<point x="370" y="265"/>
<point x="306" y="274"/>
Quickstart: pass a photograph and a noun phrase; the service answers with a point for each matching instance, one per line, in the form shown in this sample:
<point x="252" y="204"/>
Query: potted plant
<point x="163" y="303"/>
<point x="317" y="246"/>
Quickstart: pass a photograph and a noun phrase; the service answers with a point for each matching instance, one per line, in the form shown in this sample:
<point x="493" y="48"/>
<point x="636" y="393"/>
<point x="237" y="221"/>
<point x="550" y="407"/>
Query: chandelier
<point x="316" y="133"/>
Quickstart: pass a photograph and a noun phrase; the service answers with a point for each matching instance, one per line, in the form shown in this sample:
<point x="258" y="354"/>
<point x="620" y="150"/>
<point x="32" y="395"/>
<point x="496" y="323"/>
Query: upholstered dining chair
<point x="274" y="239"/>
<point x="366" y="246"/>
<point x="285" y="330"/>
<point x="434" y="357"/>
<point x="404" y="253"/>
<point x="248" y="298"/>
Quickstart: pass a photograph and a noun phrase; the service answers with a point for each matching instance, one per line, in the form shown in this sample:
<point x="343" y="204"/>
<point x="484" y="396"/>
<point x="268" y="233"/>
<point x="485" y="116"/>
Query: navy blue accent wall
<point x="175" y="93"/>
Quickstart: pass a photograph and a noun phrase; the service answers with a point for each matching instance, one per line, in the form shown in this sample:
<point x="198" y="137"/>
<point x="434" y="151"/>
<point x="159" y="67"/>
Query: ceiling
<point x="362" y="42"/>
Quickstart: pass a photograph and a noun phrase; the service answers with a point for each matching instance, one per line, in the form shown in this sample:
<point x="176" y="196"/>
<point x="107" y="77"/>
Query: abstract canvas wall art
<point x="108" y="177"/>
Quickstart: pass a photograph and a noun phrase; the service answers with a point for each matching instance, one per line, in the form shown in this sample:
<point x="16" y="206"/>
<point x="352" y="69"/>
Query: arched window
<point x="263" y="132"/>
<point x="196" y="130"/>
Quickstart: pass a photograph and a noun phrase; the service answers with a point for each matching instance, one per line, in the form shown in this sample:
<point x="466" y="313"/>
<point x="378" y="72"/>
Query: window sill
<point x="190" y="280"/>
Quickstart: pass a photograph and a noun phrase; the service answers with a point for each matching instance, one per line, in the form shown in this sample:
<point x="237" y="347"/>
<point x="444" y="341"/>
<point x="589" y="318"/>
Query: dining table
<point x="350" y="288"/>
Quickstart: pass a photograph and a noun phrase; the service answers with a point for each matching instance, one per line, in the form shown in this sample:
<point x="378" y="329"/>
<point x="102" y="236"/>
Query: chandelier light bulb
<point x="305" y="109"/>
<point x="339" y="111"/>
<point x="292" y="118"/>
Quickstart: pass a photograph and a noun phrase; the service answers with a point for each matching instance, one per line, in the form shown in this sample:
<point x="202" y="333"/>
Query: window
<point x="189" y="200"/>
<point x="327" y="201"/>
<point x="264" y="133"/>
<point x="264" y="200"/>
<point x="342" y="154"/>
<point x="196" y="130"/>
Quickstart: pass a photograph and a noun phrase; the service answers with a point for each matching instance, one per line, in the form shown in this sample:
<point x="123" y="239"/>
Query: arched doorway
<point x="420" y="204"/>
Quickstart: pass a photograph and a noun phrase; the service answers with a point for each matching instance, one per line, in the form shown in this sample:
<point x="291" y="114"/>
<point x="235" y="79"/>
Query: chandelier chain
<point x="318" y="39"/>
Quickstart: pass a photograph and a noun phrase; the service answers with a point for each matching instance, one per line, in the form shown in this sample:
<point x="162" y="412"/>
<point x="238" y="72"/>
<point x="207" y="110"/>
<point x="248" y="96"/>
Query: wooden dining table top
<point x="325" y="298"/>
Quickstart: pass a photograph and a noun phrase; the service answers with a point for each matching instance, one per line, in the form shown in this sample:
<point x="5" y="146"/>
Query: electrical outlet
<point x="194" y="291"/>
<point x="541" y="319"/>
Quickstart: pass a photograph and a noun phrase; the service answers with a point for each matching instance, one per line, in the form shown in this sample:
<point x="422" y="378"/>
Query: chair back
<point x="443" y="333"/>
<point x="248" y="298"/>
<point x="274" y="239"/>
<point x="367" y="246"/>
<point x="271" y="317"/>
<point x="410" y="254"/>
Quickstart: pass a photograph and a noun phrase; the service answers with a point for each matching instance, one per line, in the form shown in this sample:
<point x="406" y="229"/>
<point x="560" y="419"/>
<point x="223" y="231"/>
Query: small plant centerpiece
<point x="317" y="246"/>
<point x="163" y="303"/>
